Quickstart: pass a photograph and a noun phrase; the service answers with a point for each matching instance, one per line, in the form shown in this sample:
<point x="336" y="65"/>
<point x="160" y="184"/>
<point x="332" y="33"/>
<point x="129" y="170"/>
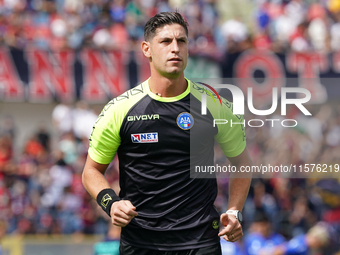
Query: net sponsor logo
<point x="145" y="138"/>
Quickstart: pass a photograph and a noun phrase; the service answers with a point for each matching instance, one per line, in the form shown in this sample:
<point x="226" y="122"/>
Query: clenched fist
<point x="122" y="212"/>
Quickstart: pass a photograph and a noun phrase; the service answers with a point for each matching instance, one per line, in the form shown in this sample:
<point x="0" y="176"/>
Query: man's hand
<point x="232" y="230"/>
<point x="122" y="212"/>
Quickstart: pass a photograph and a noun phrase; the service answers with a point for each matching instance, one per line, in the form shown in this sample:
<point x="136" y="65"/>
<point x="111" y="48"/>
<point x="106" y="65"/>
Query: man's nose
<point x="174" y="46"/>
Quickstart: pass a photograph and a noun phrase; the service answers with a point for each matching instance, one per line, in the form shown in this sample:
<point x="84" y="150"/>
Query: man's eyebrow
<point x="165" y="38"/>
<point x="170" y="38"/>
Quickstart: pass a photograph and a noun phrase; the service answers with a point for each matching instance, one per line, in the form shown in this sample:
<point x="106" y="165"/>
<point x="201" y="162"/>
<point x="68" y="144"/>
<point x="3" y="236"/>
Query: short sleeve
<point x="105" y="138"/>
<point x="231" y="134"/>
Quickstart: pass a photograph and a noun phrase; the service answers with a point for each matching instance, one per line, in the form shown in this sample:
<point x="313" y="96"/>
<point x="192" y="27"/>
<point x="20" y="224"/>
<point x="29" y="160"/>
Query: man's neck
<point x="167" y="87"/>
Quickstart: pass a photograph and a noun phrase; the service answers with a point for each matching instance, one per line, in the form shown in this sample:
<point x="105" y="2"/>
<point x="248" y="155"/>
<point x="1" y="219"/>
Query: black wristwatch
<point x="237" y="214"/>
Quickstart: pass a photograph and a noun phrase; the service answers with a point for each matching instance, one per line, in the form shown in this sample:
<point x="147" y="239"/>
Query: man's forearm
<point x="238" y="192"/>
<point x="93" y="177"/>
<point x="239" y="187"/>
<point x="94" y="182"/>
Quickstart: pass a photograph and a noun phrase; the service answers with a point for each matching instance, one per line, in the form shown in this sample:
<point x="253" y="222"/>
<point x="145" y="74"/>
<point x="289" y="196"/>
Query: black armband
<point x="106" y="198"/>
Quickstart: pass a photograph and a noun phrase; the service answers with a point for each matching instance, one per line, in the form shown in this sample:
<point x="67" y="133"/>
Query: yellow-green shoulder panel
<point x="105" y="138"/>
<point x="231" y="137"/>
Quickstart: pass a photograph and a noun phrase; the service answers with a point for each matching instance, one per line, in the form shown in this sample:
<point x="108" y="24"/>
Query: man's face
<point x="168" y="50"/>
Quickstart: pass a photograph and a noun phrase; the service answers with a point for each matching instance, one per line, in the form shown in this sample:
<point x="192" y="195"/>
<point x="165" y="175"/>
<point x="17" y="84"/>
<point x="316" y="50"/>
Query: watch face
<point x="239" y="216"/>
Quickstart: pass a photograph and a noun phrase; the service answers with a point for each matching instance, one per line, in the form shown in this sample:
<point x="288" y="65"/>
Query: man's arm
<point x="238" y="192"/>
<point x="122" y="212"/>
<point x="239" y="187"/>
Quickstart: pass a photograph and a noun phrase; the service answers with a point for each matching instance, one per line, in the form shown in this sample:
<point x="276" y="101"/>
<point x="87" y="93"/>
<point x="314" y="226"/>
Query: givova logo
<point x="185" y="120"/>
<point x="145" y="138"/>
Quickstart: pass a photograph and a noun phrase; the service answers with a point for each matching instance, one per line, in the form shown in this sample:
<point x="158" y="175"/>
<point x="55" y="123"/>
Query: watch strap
<point x="235" y="213"/>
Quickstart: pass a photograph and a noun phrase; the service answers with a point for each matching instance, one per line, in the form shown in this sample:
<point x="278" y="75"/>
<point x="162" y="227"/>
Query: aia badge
<point x="145" y="138"/>
<point x="185" y="120"/>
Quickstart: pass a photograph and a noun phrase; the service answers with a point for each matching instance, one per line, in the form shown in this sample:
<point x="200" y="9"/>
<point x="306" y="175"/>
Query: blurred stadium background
<point x="62" y="60"/>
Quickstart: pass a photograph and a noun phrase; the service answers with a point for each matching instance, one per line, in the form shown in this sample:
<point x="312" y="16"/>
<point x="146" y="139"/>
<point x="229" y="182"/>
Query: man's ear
<point x="146" y="49"/>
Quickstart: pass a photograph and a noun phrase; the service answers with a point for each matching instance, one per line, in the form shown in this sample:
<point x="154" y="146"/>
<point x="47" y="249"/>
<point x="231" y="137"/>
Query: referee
<point x="160" y="208"/>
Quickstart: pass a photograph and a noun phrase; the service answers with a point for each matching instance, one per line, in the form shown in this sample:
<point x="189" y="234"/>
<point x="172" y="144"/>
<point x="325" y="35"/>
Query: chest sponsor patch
<point x="185" y="120"/>
<point x="145" y="138"/>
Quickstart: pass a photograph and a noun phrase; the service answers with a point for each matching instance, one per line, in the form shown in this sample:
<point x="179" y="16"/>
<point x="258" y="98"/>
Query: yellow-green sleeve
<point x="105" y="138"/>
<point x="231" y="137"/>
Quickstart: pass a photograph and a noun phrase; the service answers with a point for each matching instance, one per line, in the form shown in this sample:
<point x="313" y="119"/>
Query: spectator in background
<point x="317" y="237"/>
<point x="335" y="32"/>
<point x="59" y="31"/>
<point x="261" y="199"/>
<point x="62" y="118"/>
<point x="7" y="127"/>
<point x="317" y="30"/>
<point x="5" y="200"/>
<point x="41" y="34"/>
<point x="299" y="40"/>
<point x="3" y="230"/>
<point x="283" y="28"/>
<point x="117" y="11"/>
<point x="70" y="212"/>
<point x="296" y="10"/>
<point x="301" y="217"/>
<point x="261" y="238"/>
<point x="262" y="38"/>
<point x="19" y="202"/>
<point x="234" y="32"/>
<point x="83" y="119"/>
<point x="34" y="148"/>
<point x="43" y="137"/>
<point x="60" y="177"/>
<point x="68" y="146"/>
<point x="6" y="154"/>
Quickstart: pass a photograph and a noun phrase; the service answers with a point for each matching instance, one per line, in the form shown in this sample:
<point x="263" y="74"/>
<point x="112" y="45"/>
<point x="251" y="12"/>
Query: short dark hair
<point x="260" y="216"/>
<point x="162" y="19"/>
